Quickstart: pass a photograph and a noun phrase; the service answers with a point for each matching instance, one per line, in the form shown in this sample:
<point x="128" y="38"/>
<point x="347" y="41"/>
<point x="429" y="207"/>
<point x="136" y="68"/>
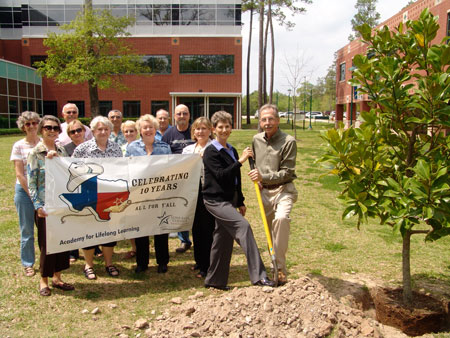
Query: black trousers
<point x="202" y="234"/>
<point x="161" y="250"/>
<point x="49" y="264"/>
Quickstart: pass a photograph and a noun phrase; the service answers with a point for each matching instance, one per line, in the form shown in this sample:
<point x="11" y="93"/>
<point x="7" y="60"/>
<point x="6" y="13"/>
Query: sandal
<point x="112" y="271"/>
<point x="90" y="274"/>
<point x="29" y="271"/>
<point x="201" y="274"/>
<point x="63" y="286"/>
<point x="45" y="291"/>
<point x="130" y="254"/>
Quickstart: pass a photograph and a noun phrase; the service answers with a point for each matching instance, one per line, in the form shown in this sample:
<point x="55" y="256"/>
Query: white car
<point x="282" y="114"/>
<point x="313" y="114"/>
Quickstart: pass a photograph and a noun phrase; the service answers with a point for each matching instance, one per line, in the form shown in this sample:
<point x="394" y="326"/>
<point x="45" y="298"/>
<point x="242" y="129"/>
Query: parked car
<point x="314" y="114"/>
<point x="282" y="114"/>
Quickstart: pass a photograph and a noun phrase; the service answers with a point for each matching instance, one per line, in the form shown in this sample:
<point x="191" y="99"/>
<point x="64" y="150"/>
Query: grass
<point x="321" y="244"/>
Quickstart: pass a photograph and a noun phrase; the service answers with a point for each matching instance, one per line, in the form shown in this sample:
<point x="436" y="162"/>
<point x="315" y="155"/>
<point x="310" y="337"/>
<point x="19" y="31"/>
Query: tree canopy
<point x="91" y="50"/>
<point x="366" y="14"/>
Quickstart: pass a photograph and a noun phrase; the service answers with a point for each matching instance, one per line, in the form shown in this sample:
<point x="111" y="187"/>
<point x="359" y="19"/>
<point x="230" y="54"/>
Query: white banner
<point x="99" y="200"/>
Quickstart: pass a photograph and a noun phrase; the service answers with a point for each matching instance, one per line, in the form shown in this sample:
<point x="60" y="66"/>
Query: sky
<point x="317" y="35"/>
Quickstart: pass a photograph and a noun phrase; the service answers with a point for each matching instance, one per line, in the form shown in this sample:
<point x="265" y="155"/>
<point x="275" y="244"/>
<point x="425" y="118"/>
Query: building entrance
<point x="196" y="106"/>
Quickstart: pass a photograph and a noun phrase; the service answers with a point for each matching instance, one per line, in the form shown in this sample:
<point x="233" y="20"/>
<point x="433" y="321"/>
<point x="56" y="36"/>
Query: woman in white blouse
<point x="203" y="227"/>
<point x="28" y="122"/>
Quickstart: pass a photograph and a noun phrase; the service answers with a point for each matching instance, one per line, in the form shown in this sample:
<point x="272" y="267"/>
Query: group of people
<point x="219" y="215"/>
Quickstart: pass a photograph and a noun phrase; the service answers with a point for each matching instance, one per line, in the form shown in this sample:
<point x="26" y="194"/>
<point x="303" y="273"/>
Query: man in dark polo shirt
<point x="179" y="137"/>
<point x="275" y="153"/>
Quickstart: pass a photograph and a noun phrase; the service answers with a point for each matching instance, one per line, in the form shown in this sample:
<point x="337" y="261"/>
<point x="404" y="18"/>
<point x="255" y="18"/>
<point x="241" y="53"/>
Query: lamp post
<point x="289" y="101"/>
<point x="351" y="69"/>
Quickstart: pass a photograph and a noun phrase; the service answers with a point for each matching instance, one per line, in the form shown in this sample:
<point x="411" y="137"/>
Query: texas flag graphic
<point x="99" y="196"/>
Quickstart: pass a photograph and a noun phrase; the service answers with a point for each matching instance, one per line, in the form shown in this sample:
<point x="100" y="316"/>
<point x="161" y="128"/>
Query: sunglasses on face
<point x="71" y="112"/>
<point x="75" y="131"/>
<point x="27" y="124"/>
<point x="49" y="128"/>
<point x="182" y="114"/>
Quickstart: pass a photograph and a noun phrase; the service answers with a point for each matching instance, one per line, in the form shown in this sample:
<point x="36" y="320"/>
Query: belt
<point x="272" y="186"/>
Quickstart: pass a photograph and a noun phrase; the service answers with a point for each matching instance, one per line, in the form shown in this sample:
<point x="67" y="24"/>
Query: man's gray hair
<point x="271" y="107"/>
<point x="115" y="111"/>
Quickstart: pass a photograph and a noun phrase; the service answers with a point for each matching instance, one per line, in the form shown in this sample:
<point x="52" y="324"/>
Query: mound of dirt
<point x="301" y="308"/>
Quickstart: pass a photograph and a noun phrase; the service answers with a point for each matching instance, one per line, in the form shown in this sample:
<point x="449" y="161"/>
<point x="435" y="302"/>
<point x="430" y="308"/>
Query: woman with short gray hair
<point x="28" y="122"/>
<point x="99" y="146"/>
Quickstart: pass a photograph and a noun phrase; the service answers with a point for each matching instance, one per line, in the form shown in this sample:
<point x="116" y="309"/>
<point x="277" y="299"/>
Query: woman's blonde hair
<point x="197" y="123"/>
<point x="148" y="118"/>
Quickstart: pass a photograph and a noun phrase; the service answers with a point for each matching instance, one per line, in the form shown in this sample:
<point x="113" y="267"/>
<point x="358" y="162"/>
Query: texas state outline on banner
<point x="99" y="200"/>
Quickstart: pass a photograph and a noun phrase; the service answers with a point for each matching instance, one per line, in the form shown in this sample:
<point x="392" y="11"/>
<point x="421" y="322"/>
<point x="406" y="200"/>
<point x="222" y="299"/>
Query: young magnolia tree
<point x="395" y="167"/>
<point x="92" y="50"/>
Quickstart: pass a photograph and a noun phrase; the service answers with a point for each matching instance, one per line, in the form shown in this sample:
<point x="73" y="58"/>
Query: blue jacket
<point x="137" y="148"/>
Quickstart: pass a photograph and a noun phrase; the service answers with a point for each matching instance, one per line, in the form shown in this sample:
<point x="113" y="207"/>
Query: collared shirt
<point x="137" y="148"/>
<point x="159" y="136"/>
<point x="229" y="149"/>
<point x="119" y="138"/>
<point x="63" y="137"/>
<point x="36" y="173"/>
<point x="275" y="157"/>
<point x="90" y="149"/>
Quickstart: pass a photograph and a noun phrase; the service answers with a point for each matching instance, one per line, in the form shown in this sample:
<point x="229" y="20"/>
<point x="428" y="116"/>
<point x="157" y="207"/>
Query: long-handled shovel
<point x="266" y="226"/>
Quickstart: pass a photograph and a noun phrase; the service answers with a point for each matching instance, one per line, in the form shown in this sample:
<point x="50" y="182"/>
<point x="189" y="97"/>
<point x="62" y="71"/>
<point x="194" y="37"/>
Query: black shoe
<point x="222" y="288"/>
<point x="183" y="247"/>
<point x="162" y="268"/>
<point x="265" y="282"/>
<point x="140" y="269"/>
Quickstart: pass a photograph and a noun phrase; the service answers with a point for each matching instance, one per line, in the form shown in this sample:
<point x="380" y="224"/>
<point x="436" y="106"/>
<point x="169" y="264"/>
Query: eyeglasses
<point x="182" y="113"/>
<point x="71" y="112"/>
<point x="49" y="128"/>
<point x="115" y="117"/>
<point x="28" y="124"/>
<point x="75" y="131"/>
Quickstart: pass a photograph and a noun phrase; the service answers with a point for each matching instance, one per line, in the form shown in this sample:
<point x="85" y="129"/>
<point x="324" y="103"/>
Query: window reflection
<point x="207" y="64"/>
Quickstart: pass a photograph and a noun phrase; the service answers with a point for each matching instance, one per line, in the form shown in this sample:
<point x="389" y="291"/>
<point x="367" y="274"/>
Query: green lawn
<point x="321" y="244"/>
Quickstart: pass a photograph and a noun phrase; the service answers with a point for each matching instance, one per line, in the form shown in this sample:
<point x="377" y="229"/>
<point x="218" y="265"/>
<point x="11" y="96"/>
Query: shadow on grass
<point x="355" y="294"/>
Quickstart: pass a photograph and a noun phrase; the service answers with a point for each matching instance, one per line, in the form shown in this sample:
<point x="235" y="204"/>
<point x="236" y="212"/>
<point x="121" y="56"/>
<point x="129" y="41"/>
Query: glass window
<point x="38" y="14"/>
<point x="6" y="17"/>
<point x="206" y="16"/>
<point x="30" y="90"/>
<point x="105" y="107"/>
<point x="225" y="15"/>
<point x="207" y="64"/>
<point x="39" y="107"/>
<point x="342" y="72"/>
<point x="13" y="106"/>
<point x="159" y="64"/>
<point x="131" y="108"/>
<point x="144" y="14"/>
<point x="12" y="87"/>
<point x="56" y="14"/>
<point x="157" y="105"/>
<point x="38" y="91"/>
<point x="221" y="103"/>
<point x="36" y="58"/>
<point x="188" y="15"/>
<point x="22" y="89"/>
<point x="3" y="86"/>
<point x="3" y="104"/>
<point x="162" y="15"/>
<point x="80" y="105"/>
<point x="50" y="108"/>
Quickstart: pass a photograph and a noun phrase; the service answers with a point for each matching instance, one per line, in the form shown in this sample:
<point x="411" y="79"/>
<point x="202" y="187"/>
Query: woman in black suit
<point x="222" y="195"/>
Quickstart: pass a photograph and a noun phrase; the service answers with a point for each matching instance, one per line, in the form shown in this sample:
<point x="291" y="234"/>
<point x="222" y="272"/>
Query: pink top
<point x="64" y="138"/>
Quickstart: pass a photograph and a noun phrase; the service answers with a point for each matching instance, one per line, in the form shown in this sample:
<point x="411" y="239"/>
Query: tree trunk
<point x="272" y="61"/>
<point x="93" y="97"/>
<point x="294" y="115"/>
<point x="261" y="54"/>
<point x="406" y="268"/>
<point x="266" y="34"/>
<point x="248" y="65"/>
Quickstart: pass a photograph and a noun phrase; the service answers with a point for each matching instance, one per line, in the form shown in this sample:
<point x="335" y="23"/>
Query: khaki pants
<point x="278" y="204"/>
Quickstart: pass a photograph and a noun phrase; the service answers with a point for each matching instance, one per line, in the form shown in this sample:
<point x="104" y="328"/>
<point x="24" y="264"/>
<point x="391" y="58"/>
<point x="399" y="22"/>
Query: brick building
<point x="195" y="46"/>
<point x="440" y="8"/>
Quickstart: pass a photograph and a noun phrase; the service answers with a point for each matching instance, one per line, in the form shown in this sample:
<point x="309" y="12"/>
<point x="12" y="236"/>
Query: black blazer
<point x="221" y="174"/>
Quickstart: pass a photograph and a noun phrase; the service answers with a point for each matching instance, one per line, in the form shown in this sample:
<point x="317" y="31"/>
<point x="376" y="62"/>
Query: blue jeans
<point x="184" y="237"/>
<point x="25" y="210"/>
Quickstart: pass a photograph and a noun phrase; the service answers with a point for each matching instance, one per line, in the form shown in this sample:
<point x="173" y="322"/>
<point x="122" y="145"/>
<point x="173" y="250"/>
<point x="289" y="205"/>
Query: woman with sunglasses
<point x="28" y="122"/>
<point x="50" y="265"/>
<point x="76" y="132"/>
